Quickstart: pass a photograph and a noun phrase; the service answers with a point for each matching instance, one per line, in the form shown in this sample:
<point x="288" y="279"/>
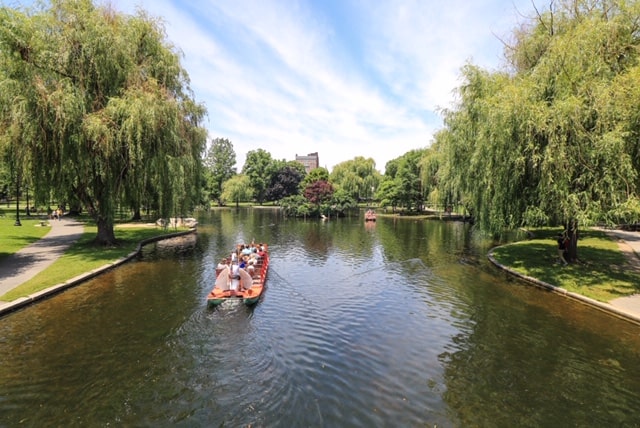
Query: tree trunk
<point x="75" y="209"/>
<point x="572" y="234"/>
<point x="137" y="216"/>
<point x="106" y="236"/>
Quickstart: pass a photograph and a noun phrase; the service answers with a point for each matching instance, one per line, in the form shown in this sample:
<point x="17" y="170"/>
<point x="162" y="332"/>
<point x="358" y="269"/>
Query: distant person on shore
<point x="561" y="249"/>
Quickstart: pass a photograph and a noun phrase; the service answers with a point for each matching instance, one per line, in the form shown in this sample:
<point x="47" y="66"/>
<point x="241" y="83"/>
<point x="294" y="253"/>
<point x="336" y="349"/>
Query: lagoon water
<point x="402" y="323"/>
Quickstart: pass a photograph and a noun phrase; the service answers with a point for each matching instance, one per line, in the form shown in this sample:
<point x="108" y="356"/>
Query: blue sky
<point x="343" y="78"/>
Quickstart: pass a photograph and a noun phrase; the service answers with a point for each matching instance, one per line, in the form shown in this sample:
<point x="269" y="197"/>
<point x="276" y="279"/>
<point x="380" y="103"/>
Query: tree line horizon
<point x="96" y="112"/>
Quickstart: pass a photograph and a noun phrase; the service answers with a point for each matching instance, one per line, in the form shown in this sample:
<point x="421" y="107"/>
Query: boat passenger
<point x="234" y="277"/>
<point x="243" y="262"/>
<point x="222" y="264"/>
<point x="251" y="270"/>
<point x="261" y="253"/>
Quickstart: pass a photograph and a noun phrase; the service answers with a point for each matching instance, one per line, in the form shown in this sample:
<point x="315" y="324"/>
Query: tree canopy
<point x="557" y="137"/>
<point x="237" y="188"/>
<point x="285" y="180"/>
<point x="402" y="185"/>
<point x="95" y="106"/>
<point x="316" y="174"/>
<point x="220" y="165"/>
<point x="358" y="178"/>
<point x="319" y="192"/>
<point x="259" y="167"/>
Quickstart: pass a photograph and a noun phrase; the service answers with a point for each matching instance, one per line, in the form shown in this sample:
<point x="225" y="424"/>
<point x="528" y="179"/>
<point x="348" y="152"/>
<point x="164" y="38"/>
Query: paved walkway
<point x="32" y="259"/>
<point x="629" y="243"/>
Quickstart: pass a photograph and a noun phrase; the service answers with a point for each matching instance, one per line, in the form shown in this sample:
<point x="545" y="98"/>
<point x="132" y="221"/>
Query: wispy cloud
<point x="345" y="79"/>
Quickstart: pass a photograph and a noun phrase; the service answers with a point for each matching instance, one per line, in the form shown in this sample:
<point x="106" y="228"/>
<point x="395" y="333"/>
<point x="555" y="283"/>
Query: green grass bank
<point x="15" y="237"/>
<point x="602" y="271"/>
<point x="83" y="256"/>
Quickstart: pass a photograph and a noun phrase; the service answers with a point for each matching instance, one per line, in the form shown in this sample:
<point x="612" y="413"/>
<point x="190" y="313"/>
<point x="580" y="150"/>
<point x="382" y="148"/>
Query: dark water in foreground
<point x="398" y="324"/>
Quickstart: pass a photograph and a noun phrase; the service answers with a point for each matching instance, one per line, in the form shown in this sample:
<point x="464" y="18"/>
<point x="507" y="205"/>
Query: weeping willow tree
<point x="98" y="108"/>
<point x="555" y="138"/>
<point x="358" y="178"/>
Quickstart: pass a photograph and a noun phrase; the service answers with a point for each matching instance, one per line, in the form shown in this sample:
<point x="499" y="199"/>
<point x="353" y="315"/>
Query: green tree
<point x="5" y="179"/>
<point x="410" y="192"/>
<point x="388" y="192"/>
<point x="285" y="180"/>
<point x="401" y="185"/>
<point x="97" y="106"/>
<point x="357" y="177"/>
<point x="316" y="174"/>
<point x="341" y="203"/>
<point x="319" y="193"/>
<point x="295" y="206"/>
<point x="259" y="167"/>
<point x="220" y="164"/>
<point x="481" y="162"/>
<point x="557" y="138"/>
<point x="429" y="166"/>
<point x="237" y="188"/>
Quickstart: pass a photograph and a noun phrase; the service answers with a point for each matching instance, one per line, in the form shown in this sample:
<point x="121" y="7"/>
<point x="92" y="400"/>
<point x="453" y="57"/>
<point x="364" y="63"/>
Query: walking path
<point x="629" y="244"/>
<point x="32" y="259"/>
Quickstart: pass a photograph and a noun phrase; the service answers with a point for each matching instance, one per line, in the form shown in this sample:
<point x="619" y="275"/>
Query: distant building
<point x="309" y="161"/>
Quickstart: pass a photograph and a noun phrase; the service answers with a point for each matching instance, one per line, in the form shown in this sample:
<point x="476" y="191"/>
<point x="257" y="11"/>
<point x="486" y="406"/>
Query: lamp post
<point x="26" y="186"/>
<point x="17" y="223"/>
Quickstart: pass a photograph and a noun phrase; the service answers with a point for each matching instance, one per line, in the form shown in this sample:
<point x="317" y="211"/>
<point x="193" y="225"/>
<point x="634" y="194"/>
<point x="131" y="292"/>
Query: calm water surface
<point x="398" y="324"/>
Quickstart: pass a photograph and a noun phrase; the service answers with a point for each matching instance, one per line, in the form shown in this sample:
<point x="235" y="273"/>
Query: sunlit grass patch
<point x="84" y="256"/>
<point x="600" y="273"/>
<point x="17" y="237"/>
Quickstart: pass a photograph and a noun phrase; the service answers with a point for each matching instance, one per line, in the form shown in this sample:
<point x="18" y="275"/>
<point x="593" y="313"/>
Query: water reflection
<point x="399" y="324"/>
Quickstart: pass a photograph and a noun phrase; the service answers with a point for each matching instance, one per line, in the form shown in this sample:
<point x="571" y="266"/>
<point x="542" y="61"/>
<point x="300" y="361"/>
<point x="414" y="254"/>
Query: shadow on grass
<point x="16" y="237"/>
<point x="601" y="271"/>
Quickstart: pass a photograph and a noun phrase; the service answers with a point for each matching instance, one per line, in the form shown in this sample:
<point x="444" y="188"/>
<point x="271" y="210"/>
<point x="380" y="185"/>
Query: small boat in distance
<point x="370" y="215"/>
<point x="234" y="282"/>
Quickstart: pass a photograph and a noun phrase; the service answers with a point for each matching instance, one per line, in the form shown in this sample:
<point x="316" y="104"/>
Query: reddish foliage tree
<point x="318" y="192"/>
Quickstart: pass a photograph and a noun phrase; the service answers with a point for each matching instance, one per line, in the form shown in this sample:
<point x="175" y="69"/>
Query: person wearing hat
<point x="222" y="264"/>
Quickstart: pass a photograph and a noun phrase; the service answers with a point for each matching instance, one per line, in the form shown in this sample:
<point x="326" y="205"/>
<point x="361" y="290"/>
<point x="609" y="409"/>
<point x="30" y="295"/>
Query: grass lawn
<point x="600" y="273"/>
<point x="12" y="238"/>
<point x="84" y="256"/>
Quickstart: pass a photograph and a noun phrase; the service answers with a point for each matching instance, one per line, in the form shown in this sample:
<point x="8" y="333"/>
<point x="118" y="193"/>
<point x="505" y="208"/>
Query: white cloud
<point x="276" y="75"/>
